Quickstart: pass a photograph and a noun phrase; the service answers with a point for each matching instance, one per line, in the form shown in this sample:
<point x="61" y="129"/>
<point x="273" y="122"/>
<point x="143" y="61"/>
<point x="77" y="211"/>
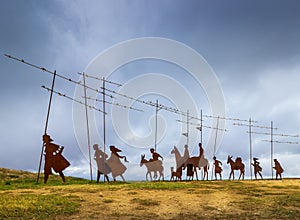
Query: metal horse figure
<point x="237" y="165"/>
<point x="154" y="166"/>
<point x="199" y="162"/>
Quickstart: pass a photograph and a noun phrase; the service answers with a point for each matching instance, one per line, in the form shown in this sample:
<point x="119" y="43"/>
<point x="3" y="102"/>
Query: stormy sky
<point x="251" y="46"/>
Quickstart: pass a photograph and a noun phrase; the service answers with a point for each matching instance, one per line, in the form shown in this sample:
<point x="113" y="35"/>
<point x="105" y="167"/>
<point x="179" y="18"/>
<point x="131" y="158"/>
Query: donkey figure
<point x="152" y="166"/>
<point x="237" y="165"/>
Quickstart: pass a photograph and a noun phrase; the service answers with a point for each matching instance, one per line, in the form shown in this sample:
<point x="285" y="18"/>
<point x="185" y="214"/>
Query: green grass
<point x="12" y="179"/>
<point x="32" y="206"/>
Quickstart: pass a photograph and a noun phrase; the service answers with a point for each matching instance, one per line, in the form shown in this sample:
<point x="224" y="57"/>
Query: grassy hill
<point x="22" y="198"/>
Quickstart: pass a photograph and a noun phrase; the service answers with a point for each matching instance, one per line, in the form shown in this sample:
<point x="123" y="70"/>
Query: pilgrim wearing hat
<point x="53" y="158"/>
<point x="257" y="168"/>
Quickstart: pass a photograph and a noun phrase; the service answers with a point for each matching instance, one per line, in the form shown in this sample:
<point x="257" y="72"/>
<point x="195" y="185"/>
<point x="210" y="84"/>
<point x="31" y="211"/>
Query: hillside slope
<point x="22" y="197"/>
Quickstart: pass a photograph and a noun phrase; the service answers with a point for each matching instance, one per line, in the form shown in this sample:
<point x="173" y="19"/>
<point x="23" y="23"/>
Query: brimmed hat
<point x="46" y="138"/>
<point x="254" y="158"/>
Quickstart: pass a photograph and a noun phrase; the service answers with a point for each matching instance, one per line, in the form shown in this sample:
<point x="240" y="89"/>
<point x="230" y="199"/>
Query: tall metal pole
<point x="104" y="118"/>
<point x="215" y="145"/>
<point x="250" y="142"/>
<point x="187" y="128"/>
<point x="87" y="127"/>
<point x="201" y="128"/>
<point x="46" y="125"/>
<point x="272" y="147"/>
<point x="156" y="111"/>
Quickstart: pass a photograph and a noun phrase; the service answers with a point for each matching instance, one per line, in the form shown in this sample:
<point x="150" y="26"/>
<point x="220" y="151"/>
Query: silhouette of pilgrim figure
<point x="153" y="166"/>
<point x="103" y="167"/>
<point x="257" y="168"/>
<point x="186" y="154"/>
<point x="218" y="168"/>
<point x="53" y="158"/>
<point x="201" y="150"/>
<point x="115" y="164"/>
<point x="155" y="157"/>
<point x="278" y="169"/>
<point x="198" y="161"/>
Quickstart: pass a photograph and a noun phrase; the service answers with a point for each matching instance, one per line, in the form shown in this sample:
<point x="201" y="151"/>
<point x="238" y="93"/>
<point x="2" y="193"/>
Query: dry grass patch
<point x="78" y="199"/>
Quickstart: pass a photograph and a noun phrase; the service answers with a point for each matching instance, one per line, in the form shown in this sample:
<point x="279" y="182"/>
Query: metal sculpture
<point x="115" y="164"/>
<point x="257" y="168"/>
<point x="152" y="166"/>
<point x="236" y="165"/>
<point x="279" y="170"/>
<point x="218" y="168"/>
<point x="53" y="158"/>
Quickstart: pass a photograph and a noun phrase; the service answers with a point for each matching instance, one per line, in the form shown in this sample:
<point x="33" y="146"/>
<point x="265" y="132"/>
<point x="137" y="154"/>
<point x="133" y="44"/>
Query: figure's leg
<point x="242" y="174"/>
<point x="122" y="177"/>
<point x="105" y="176"/>
<point x="195" y="170"/>
<point x="155" y="175"/>
<point x="98" y="176"/>
<point x="62" y="176"/>
<point x="46" y="176"/>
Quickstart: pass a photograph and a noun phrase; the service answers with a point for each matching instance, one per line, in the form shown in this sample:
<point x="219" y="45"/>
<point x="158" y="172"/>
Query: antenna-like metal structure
<point x="272" y="141"/>
<point x="250" y="144"/>
<point x="271" y="133"/>
<point x="104" y="116"/>
<point x="46" y="126"/>
<point x="72" y="99"/>
<point x="87" y="128"/>
<point x="249" y="125"/>
<point x="157" y="108"/>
